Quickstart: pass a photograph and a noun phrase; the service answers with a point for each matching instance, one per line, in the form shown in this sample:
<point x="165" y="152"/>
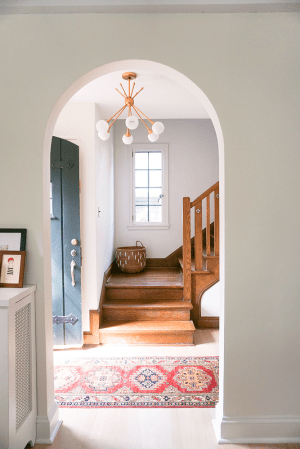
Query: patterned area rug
<point x="137" y="382"/>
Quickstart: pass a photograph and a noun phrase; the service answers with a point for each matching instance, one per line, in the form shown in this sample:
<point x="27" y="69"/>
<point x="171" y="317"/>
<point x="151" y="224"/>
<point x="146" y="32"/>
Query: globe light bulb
<point x="132" y="122"/>
<point x="127" y="139"/>
<point x="103" y="135"/>
<point x="102" y="126"/>
<point x="153" y="137"/>
<point x="158" y="127"/>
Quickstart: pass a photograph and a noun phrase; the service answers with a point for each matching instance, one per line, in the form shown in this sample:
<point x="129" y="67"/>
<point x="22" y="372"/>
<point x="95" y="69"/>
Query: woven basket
<point x="131" y="259"/>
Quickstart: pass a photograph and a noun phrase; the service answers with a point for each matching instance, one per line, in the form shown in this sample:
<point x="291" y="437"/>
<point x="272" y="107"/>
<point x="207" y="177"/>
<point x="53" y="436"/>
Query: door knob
<point x="74" y="242"/>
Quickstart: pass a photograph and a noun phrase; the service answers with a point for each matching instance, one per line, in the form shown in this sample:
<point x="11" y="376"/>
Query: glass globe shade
<point x="153" y="137"/>
<point x="103" y="136"/>
<point x="102" y="126"/>
<point x="127" y="139"/>
<point x="132" y="122"/>
<point x="158" y="127"/>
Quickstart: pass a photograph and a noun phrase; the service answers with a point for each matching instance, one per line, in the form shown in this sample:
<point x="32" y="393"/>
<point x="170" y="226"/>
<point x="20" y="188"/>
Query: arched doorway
<point x="130" y="65"/>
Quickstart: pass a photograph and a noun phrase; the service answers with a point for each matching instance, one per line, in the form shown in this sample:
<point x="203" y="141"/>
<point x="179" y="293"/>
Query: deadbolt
<point x="73" y="253"/>
<point x="74" y="242"/>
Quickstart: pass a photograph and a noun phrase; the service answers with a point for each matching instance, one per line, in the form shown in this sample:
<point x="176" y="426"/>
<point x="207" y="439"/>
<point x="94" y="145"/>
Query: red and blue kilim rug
<point x="137" y="382"/>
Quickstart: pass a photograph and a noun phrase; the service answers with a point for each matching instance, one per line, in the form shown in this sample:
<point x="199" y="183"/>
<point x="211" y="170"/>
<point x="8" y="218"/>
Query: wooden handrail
<point x="198" y="245"/>
<point x="205" y="194"/>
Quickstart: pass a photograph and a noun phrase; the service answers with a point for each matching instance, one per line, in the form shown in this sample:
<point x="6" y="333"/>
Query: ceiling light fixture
<point x="132" y="122"/>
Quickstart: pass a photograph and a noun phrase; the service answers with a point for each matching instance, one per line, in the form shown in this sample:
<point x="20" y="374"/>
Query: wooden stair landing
<point x="146" y="308"/>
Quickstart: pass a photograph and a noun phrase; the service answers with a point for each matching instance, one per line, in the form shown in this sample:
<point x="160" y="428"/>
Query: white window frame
<point x="163" y="147"/>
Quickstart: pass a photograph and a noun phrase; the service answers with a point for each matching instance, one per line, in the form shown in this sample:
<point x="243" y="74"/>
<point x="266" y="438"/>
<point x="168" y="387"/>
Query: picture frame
<point x="12" y="267"/>
<point x="13" y="239"/>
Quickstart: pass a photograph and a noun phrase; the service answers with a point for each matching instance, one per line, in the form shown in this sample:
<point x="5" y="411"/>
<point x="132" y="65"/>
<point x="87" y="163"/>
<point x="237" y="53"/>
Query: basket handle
<point x="139" y="242"/>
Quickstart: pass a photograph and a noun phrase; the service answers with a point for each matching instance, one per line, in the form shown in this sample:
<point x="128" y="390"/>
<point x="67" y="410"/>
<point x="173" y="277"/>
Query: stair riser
<point x="144" y="294"/>
<point x="147" y="339"/>
<point x="145" y="315"/>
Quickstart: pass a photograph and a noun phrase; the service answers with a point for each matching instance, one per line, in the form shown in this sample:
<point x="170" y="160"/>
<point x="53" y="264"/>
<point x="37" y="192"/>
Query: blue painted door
<point x="65" y="243"/>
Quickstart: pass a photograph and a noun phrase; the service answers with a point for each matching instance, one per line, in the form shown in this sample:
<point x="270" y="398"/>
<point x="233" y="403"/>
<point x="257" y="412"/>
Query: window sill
<point x="147" y="227"/>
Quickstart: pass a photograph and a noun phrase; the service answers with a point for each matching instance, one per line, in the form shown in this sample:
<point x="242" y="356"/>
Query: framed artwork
<point x="13" y="239"/>
<point x="12" y="266"/>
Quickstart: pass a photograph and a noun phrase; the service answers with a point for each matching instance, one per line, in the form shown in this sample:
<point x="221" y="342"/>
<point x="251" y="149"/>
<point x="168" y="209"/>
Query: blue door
<point x="65" y="243"/>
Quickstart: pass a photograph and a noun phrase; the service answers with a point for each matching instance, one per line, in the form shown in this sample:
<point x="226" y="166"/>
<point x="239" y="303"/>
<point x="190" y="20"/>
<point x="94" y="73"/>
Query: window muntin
<point x="149" y="186"/>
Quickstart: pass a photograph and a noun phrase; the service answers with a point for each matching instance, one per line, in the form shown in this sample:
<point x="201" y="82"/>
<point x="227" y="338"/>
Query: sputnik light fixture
<point x="132" y="122"/>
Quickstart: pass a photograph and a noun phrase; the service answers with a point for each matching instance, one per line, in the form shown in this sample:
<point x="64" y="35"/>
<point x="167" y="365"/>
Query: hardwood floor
<point x="144" y="428"/>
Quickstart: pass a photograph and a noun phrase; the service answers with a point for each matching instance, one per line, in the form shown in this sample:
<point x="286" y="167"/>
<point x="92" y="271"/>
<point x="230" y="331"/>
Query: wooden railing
<point x="198" y="241"/>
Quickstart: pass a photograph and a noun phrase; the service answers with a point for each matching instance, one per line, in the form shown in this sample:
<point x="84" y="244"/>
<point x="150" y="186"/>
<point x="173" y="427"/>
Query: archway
<point x="130" y="65"/>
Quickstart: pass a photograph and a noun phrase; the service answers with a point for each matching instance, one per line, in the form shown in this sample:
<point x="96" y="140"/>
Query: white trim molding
<point x="47" y="426"/>
<point x="257" y="429"/>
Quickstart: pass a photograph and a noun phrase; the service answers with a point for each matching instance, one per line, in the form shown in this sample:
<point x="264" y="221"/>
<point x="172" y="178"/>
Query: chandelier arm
<point x="138" y="92"/>
<point x="149" y="130"/>
<point x="122" y="109"/>
<point x="145" y="115"/>
<point x="120" y="93"/>
<point x="123" y="90"/>
<point x="117" y="117"/>
<point x="128" y="87"/>
<point x="132" y="89"/>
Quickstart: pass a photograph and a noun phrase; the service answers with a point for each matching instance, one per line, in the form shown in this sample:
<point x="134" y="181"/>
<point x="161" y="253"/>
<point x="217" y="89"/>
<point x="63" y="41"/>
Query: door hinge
<point x="81" y="256"/>
<point x="72" y="319"/>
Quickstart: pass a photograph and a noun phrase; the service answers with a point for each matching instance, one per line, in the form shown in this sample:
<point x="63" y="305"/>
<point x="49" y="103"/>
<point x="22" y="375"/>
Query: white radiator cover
<point x="17" y="367"/>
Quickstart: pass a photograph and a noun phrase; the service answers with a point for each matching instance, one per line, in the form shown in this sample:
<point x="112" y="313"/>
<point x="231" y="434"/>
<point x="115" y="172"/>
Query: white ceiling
<point x="161" y="97"/>
<point x="145" y="6"/>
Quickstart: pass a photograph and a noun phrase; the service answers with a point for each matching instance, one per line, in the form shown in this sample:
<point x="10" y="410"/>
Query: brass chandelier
<point x="132" y="122"/>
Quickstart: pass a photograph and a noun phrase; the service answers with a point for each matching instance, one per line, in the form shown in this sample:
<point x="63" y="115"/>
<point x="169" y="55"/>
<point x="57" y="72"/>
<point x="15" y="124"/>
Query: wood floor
<point x="144" y="428"/>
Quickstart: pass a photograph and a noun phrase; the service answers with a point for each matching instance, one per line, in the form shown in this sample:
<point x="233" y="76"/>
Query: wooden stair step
<point x="122" y="310"/>
<point x="148" y="278"/>
<point x="143" y="294"/>
<point x="147" y="332"/>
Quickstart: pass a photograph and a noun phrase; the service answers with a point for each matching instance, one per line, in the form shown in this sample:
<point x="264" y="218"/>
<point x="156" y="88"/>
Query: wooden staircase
<point x="154" y="306"/>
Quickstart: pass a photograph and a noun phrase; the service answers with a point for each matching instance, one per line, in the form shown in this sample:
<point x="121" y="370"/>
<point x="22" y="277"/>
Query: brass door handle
<point x="73" y="265"/>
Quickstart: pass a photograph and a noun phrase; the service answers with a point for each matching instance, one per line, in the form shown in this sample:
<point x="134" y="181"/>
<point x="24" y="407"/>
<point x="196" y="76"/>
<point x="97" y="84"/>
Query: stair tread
<point x="147" y="326"/>
<point x="148" y="278"/>
<point x="150" y="304"/>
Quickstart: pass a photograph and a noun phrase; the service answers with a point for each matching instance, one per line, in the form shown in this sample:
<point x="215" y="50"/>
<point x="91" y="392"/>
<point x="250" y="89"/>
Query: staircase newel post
<point x="186" y="250"/>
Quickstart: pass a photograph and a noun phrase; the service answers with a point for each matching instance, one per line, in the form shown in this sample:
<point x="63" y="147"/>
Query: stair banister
<point x="187" y="250"/>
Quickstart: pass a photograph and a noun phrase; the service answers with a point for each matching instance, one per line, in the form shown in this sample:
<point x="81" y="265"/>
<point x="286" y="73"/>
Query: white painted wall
<point x="193" y="168"/>
<point x="246" y="64"/>
<point x="210" y="301"/>
<point x="105" y="203"/>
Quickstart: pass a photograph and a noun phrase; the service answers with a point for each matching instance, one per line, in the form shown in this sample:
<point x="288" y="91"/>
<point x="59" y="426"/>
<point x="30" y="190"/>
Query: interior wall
<point x="105" y="203"/>
<point x="247" y="67"/>
<point x="193" y="168"/>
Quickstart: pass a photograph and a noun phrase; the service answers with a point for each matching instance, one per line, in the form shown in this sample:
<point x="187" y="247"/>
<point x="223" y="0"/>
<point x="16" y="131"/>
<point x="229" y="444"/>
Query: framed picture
<point x="13" y="239"/>
<point x="12" y="266"/>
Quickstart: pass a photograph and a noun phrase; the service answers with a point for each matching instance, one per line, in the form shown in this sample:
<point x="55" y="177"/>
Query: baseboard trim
<point x="47" y="426"/>
<point x="262" y="430"/>
<point x="208" y="322"/>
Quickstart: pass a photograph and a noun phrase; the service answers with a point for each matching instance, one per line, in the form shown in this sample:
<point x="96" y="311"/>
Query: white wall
<point x="105" y="203"/>
<point x="193" y="168"/>
<point x="247" y="66"/>
<point x="210" y="301"/>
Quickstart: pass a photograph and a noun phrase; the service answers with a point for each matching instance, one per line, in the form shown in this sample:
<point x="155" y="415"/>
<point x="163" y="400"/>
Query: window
<point x="149" y="186"/>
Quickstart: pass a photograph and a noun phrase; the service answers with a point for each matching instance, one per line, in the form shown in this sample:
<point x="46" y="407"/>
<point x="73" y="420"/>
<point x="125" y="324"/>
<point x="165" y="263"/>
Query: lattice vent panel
<point x="23" y="371"/>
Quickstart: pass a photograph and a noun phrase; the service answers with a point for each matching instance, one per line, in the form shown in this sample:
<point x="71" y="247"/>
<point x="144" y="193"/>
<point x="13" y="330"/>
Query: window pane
<point x="155" y="160"/>
<point x="141" y="214"/>
<point x="155" y="178"/>
<point x="141" y="197"/>
<point x="141" y="160"/>
<point x="141" y="178"/>
<point x="155" y="214"/>
<point x="154" y="197"/>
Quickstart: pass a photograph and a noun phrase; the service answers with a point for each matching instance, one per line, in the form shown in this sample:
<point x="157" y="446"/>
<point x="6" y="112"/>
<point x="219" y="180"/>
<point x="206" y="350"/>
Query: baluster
<point x="198" y="237"/>
<point x="217" y="223"/>
<point x="208" y="225"/>
<point x="186" y="249"/>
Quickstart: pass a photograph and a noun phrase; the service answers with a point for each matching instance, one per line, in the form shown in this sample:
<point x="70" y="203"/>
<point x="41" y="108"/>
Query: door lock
<point x="73" y="253"/>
